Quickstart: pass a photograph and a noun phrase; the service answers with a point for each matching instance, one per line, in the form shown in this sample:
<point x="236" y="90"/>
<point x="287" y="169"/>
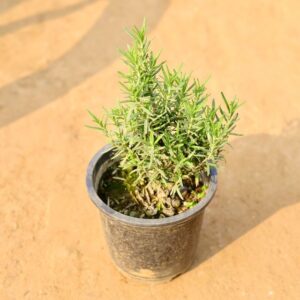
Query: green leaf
<point x="225" y="100"/>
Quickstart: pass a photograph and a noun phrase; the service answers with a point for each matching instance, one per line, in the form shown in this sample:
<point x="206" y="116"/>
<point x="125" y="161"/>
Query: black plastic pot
<point x="149" y="249"/>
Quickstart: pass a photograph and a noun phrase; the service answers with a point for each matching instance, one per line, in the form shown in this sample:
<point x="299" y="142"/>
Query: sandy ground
<point x="59" y="58"/>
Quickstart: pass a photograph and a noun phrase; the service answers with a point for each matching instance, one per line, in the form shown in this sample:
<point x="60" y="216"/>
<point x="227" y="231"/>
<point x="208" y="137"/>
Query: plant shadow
<point x="8" y="4"/>
<point x="261" y="176"/>
<point x="43" y="17"/>
<point x="95" y="50"/>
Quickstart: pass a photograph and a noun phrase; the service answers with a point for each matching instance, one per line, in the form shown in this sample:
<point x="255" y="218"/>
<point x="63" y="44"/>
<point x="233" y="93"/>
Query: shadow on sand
<point x="8" y="4"/>
<point x="43" y="17"/>
<point x="261" y="177"/>
<point x="96" y="49"/>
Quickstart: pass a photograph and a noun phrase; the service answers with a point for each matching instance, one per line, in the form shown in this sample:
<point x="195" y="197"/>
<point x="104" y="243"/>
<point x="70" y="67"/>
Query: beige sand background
<point x="59" y="58"/>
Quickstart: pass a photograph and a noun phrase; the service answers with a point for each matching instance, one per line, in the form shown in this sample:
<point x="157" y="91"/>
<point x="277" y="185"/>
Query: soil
<point x="115" y="194"/>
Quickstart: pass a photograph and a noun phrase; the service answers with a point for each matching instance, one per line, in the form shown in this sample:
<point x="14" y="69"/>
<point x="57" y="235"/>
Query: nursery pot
<point x="148" y="249"/>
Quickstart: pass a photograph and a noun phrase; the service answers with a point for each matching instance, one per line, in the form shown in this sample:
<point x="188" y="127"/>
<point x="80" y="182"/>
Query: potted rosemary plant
<point x="154" y="180"/>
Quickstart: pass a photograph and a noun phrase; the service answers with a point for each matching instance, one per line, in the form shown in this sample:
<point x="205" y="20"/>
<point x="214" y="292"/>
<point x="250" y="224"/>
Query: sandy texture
<point x="59" y="58"/>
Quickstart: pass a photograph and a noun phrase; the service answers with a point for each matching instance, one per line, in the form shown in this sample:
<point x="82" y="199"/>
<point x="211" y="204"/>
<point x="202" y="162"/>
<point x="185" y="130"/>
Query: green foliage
<point x="165" y="131"/>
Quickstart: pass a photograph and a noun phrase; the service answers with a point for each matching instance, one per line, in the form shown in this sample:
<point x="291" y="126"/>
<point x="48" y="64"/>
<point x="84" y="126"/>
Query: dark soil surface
<point x="114" y="192"/>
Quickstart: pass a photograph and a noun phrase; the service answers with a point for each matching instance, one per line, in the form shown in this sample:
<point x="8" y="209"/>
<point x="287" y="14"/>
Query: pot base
<point x="145" y="276"/>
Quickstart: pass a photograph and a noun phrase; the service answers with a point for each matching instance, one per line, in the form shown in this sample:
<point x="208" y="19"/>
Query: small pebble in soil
<point x="175" y="203"/>
<point x="168" y="212"/>
<point x="151" y="211"/>
<point x="181" y="209"/>
<point x="184" y="193"/>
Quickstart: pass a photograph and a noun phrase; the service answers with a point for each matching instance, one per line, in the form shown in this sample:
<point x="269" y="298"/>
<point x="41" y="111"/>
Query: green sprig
<point x="165" y="129"/>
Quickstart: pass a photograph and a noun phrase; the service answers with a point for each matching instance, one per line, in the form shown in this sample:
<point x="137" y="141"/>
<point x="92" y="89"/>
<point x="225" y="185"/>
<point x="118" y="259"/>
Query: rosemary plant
<point x="166" y="133"/>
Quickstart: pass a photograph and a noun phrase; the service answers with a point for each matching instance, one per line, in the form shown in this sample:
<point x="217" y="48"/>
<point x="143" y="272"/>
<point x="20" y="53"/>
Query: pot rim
<point x="111" y="213"/>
